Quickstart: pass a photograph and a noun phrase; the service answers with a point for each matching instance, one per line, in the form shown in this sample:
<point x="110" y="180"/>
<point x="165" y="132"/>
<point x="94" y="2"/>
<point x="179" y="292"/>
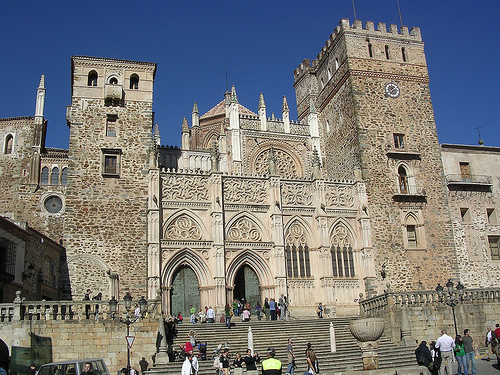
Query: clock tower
<point x="370" y="87"/>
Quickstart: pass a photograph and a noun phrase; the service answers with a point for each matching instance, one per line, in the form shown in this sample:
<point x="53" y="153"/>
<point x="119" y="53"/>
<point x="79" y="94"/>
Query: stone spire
<point x="285" y="114"/>
<point x="262" y="112"/>
<point x="195" y="116"/>
<point x="40" y="100"/>
<point x="185" y="135"/>
<point x="234" y="98"/>
<point x="156" y="134"/>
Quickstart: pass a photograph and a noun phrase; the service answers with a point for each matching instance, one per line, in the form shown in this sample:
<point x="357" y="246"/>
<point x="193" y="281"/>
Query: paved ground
<point x="483" y="367"/>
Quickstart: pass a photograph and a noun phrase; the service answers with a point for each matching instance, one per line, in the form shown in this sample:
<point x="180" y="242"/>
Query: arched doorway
<point x="184" y="292"/>
<point x="247" y="285"/>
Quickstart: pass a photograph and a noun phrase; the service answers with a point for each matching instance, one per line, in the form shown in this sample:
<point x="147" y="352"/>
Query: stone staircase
<point x="276" y="333"/>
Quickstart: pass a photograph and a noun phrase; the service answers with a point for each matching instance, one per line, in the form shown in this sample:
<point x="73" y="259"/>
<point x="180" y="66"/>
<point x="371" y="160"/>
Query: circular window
<point x="53" y="204"/>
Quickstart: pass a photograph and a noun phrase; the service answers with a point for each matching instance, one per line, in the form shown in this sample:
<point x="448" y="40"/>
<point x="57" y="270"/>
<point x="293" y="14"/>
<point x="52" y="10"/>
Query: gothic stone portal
<point x="247" y="286"/>
<point x="184" y="292"/>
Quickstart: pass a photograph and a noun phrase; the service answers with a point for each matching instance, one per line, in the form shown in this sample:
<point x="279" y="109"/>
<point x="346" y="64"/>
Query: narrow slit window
<point x="403" y="54"/>
<point x="370" y="49"/>
<point x="387" y="56"/>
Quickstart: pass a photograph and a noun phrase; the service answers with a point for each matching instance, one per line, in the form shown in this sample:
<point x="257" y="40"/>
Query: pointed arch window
<point x="298" y="264"/>
<point x="134" y="82"/>
<point x="54" y="176"/>
<point x="64" y="176"/>
<point x="9" y="142"/>
<point x="403" y="180"/>
<point x="113" y="81"/>
<point x="342" y="261"/>
<point x="45" y="176"/>
<point x="341" y="253"/>
<point x="411" y="232"/>
<point x="92" y="78"/>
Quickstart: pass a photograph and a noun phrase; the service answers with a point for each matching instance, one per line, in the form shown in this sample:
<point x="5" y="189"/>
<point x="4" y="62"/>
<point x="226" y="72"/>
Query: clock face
<point x="53" y="204"/>
<point x="392" y="90"/>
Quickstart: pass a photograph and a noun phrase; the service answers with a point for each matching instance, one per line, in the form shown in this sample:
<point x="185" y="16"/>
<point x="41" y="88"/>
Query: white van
<point x="74" y="367"/>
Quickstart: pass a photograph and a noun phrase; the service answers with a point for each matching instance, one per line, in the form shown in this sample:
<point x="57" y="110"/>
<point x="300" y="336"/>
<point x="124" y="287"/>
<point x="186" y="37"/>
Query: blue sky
<point x="260" y="43"/>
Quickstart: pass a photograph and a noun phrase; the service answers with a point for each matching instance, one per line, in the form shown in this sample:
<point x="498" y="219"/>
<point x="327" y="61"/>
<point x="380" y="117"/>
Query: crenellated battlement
<point x="369" y="31"/>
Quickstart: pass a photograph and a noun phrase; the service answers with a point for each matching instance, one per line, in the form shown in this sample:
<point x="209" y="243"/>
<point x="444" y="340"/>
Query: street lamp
<point x="127" y="301"/>
<point x="451" y="300"/>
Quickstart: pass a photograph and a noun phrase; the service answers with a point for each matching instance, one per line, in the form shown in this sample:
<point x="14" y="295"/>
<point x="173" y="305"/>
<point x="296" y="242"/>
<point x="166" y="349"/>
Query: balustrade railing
<point x="21" y="309"/>
<point x="375" y="305"/>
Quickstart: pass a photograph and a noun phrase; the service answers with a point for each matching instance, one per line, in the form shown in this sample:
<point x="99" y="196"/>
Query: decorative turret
<point x="195" y="116"/>
<point x="185" y="134"/>
<point x="262" y="113"/>
<point x="285" y="114"/>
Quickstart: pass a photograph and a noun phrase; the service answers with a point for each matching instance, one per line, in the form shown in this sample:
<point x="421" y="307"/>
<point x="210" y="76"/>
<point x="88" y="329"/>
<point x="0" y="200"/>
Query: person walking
<point x="143" y="364"/>
<point x="445" y="344"/>
<point x="469" y="352"/>
<point x="265" y="308"/>
<point x="312" y="360"/>
<point x="291" y="358"/>
<point x="460" y="356"/>
<point x="487" y="342"/>
<point x="271" y="366"/>
<point x="229" y="312"/>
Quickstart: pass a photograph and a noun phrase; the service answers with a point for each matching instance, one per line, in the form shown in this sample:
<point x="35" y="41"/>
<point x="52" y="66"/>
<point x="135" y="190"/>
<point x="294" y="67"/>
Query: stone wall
<point x="104" y="338"/>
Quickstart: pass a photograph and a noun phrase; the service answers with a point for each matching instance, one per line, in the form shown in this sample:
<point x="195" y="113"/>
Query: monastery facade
<point x="328" y="208"/>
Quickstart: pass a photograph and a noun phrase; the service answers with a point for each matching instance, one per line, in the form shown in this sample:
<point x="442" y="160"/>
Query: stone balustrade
<point x="375" y="305"/>
<point x="21" y="309"/>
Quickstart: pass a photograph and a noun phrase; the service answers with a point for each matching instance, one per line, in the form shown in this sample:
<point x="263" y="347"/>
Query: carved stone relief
<point x="341" y="236"/>
<point x="244" y="230"/>
<point x="245" y="191"/>
<point x="297" y="194"/>
<point x="339" y="196"/>
<point x="285" y="164"/>
<point x="183" y="228"/>
<point x="296" y="235"/>
<point x="185" y="188"/>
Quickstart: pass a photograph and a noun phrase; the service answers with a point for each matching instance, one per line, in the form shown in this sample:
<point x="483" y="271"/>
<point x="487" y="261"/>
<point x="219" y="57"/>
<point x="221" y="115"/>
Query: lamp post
<point x="451" y="300"/>
<point x="127" y="300"/>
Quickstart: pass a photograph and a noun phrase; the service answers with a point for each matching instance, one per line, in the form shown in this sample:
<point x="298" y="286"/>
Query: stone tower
<point x="111" y="123"/>
<point x="370" y="89"/>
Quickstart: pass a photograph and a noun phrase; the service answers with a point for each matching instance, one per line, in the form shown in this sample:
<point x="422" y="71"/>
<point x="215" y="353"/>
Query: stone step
<point x="276" y="334"/>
